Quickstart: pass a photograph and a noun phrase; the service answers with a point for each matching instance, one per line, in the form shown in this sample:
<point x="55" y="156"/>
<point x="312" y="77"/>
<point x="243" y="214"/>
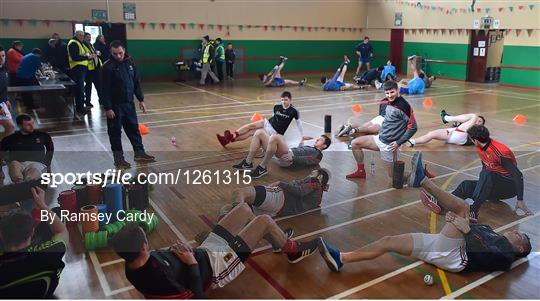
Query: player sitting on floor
<point x="286" y="198"/>
<point x="499" y="179"/>
<point x="413" y="86"/>
<point x="181" y="272"/>
<point x="389" y="72"/>
<point x="336" y="83"/>
<point x="273" y="78"/>
<point x="455" y="135"/>
<point x="459" y="246"/>
<point x="284" y="113"/>
<point x="398" y="126"/>
<point x="296" y="157"/>
<point x="369" y="77"/>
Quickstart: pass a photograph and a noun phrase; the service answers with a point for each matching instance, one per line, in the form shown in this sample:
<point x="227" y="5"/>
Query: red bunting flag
<point x="265" y="27"/>
<point x="413" y="31"/>
<point x="518" y="31"/>
<point x="220" y="27"/>
<point x="47" y="23"/>
<point x="183" y="25"/>
<point x="142" y="25"/>
<point x="478" y="10"/>
<point x="280" y="27"/>
<point x="295" y="28"/>
<point x="521" y="7"/>
<point x="309" y="28"/>
<point x="530" y="32"/>
<point x="201" y="26"/>
<point x="162" y="26"/>
<point x="501" y="9"/>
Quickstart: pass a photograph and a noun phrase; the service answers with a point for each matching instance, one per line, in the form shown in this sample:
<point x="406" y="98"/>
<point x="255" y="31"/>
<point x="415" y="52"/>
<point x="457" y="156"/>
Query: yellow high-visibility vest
<point x="92" y="63"/>
<point x="222" y="55"/>
<point x="206" y="53"/>
<point x="82" y="52"/>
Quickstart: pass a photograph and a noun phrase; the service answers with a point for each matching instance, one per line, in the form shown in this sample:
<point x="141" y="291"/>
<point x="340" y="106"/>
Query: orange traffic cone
<point x="520" y="119"/>
<point x="256" y="117"/>
<point x="143" y="129"/>
<point x="428" y="102"/>
<point x="357" y="109"/>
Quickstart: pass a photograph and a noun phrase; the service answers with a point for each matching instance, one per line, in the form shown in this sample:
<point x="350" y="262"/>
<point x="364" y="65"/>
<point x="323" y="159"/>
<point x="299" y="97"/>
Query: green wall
<point x="156" y="56"/>
<point x="438" y="51"/>
<point x="525" y="56"/>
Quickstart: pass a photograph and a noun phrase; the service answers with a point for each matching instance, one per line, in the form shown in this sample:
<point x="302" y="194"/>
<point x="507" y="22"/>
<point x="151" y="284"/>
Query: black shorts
<point x="236" y="243"/>
<point x="260" y="195"/>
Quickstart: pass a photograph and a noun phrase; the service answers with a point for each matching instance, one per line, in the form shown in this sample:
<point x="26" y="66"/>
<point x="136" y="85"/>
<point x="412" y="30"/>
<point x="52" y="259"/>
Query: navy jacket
<point x="120" y="82"/>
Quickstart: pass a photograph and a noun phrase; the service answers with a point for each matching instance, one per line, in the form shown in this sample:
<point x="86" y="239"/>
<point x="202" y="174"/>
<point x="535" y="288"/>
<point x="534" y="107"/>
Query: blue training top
<point x="29" y="65"/>
<point x="416" y="86"/>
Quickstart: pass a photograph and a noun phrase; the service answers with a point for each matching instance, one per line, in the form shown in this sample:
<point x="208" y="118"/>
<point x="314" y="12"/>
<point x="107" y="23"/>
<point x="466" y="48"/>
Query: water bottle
<point x="372" y="163"/>
<point x="173" y="141"/>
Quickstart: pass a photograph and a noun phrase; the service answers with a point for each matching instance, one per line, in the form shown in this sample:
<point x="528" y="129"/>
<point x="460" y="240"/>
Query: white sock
<point x="412" y="141"/>
<point x="449" y="118"/>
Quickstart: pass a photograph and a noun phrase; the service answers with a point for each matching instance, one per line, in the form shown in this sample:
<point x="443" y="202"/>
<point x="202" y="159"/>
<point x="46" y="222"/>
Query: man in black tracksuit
<point x="120" y="82"/>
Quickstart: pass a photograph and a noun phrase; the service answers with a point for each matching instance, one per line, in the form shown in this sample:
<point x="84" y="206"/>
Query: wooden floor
<point x="353" y="213"/>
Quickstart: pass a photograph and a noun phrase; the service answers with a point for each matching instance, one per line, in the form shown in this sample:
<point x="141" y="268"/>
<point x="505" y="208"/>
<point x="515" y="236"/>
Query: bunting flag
<point x="265" y="27"/>
<point x="413" y="31"/>
<point x="406" y="31"/>
<point x="131" y="25"/>
<point x="511" y="8"/>
<point x="20" y="22"/>
<point x="240" y="27"/>
<point x="201" y="26"/>
<point x="220" y="27"/>
<point x="295" y="28"/>
<point x="47" y="23"/>
<point x="501" y="9"/>
<point x="280" y="27"/>
<point x="162" y="26"/>
<point x="142" y="25"/>
<point x="521" y="7"/>
<point x="531" y="6"/>
<point x="210" y="26"/>
<point x="192" y="25"/>
<point x="183" y="25"/>
<point x="530" y="32"/>
<point x="152" y="25"/>
<point x="518" y="31"/>
<point x="172" y="26"/>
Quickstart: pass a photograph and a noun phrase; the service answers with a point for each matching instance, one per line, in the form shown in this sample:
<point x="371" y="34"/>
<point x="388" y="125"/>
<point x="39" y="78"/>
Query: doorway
<point x="111" y="31"/>
<point x="396" y="48"/>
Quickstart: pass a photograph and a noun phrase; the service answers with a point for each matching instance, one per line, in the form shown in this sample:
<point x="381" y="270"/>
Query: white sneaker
<point x="378" y="84"/>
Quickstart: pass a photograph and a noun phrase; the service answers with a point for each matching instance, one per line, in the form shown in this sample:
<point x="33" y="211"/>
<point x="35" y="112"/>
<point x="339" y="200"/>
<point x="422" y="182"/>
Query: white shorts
<point x="444" y="252"/>
<point x="273" y="202"/>
<point x="269" y="128"/>
<point x="386" y="154"/>
<point x="456" y="136"/>
<point x="284" y="161"/>
<point x="377" y="120"/>
<point x="225" y="263"/>
<point x="5" y="108"/>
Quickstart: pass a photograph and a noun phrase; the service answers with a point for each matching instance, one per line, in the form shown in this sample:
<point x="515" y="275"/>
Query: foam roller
<point x="95" y="240"/>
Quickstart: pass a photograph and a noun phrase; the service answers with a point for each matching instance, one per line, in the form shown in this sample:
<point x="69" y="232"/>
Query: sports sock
<point x="412" y="141"/>
<point x="290" y="247"/>
<point x="449" y="118"/>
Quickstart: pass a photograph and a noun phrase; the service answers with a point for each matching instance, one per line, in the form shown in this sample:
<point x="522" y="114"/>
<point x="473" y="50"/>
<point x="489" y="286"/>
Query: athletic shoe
<point x="222" y="140"/>
<point x="359" y="174"/>
<point x="430" y="201"/>
<point x="258" y="172"/>
<point x="228" y="135"/>
<point x="144" y="157"/>
<point x="122" y="164"/>
<point x="243" y="165"/>
<point x="378" y="84"/>
<point x="346" y="60"/>
<point x="345" y="131"/>
<point x="417" y="172"/>
<point x="411" y="57"/>
<point x="305" y="249"/>
<point x="283" y="58"/>
<point x="289" y="232"/>
<point x="429" y="175"/>
<point x="302" y="82"/>
<point x="443" y="114"/>
<point x="331" y="255"/>
<point x="409" y="142"/>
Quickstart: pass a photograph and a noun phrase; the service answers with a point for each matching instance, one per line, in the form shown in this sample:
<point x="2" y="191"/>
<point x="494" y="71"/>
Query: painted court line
<point x="487" y="278"/>
<point x="413" y="265"/>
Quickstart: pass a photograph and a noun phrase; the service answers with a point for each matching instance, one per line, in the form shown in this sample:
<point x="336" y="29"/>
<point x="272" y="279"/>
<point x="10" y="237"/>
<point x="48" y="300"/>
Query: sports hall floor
<point x="353" y="213"/>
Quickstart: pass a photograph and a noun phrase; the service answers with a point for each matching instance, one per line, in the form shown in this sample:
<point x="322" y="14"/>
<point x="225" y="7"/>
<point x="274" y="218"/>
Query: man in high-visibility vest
<point x="207" y="58"/>
<point x="94" y="66"/>
<point x="220" y="58"/>
<point x="78" y="57"/>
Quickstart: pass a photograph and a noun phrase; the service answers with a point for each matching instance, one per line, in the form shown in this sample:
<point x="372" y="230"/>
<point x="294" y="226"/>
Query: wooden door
<point x="396" y="48"/>
<point x="477" y="61"/>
